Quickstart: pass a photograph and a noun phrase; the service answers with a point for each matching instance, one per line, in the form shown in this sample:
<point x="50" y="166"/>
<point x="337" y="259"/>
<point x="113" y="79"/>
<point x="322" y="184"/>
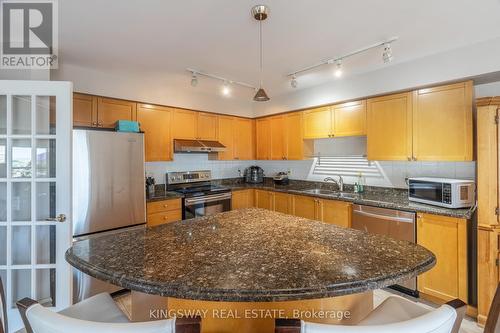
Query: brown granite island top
<point x="249" y="255"/>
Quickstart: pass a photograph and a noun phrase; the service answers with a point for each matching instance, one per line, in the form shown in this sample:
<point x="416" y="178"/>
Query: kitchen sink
<point x="347" y="195"/>
<point x="319" y="191"/>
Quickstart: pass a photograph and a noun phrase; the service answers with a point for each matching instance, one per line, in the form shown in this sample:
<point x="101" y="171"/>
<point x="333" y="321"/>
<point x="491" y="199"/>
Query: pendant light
<point x="260" y="13"/>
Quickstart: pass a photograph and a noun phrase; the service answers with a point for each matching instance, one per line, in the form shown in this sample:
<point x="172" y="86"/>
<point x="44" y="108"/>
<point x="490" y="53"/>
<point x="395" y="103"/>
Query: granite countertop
<point x="391" y="198"/>
<point x="249" y="255"/>
<point x="161" y="195"/>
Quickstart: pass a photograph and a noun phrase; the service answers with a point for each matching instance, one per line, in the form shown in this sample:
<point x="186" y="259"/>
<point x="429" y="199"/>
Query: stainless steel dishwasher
<point x="393" y="223"/>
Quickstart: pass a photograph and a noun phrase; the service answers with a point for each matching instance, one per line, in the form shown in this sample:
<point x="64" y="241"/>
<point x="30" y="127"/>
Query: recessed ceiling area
<point x="140" y="49"/>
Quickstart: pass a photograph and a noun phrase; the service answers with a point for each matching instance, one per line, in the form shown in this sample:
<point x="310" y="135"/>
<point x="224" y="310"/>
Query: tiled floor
<point x="468" y="325"/>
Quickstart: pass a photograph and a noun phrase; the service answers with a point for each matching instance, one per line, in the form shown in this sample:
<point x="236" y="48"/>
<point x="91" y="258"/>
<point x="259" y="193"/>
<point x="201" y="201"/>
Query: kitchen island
<point x="238" y="264"/>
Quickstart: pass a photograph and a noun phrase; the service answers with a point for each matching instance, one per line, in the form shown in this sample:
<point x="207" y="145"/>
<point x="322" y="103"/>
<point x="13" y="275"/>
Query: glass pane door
<point x="35" y="170"/>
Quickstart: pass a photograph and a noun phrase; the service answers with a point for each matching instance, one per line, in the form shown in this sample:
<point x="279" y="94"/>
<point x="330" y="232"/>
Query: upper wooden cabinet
<point x="155" y="122"/>
<point x="84" y="110"/>
<point x="296" y="148"/>
<point x="110" y="110"/>
<point x="184" y="124"/>
<point x="318" y="123"/>
<point x="207" y="126"/>
<point x="349" y="119"/>
<point x="244" y="141"/>
<point x="263" y="139"/>
<point x="389" y="127"/>
<point x="226" y="130"/>
<point x="278" y="145"/>
<point x="442" y="123"/>
<point x="448" y="279"/>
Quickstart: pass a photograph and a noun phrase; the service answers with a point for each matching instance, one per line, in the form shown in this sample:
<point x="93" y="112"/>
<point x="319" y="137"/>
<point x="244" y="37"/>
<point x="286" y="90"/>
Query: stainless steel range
<point x="201" y="197"/>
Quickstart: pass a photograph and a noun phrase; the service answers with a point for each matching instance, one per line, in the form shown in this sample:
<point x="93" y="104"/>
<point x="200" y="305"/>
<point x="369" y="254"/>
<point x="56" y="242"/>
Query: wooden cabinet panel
<point x="335" y="212"/>
<point x="442" y="123"/>
<point x="349" y="119"/>
<point x="242" y="199"/>
<point x="282" y="202"/>
<point x="226" y="130"/>
<point x="244" y="142"/>
<point x="163" y="206"/>
<point x="164" y="217"/>
<point x="305" y="206"/>
<point x="164" y="211"/>
<point x="84" y="110"/>
<point x="448" y="279"/>
<point x="109" y="111"/>
<point x="389" y="129"/>
<point x="263" y="139"/>
<point x="317" y="123"/>
<point x="295" y="145"/>
<point x="487" y="270"/>
<point x="155" y="122"/>
<point x="207" y="126"/>
<point x="264" y="199"/>
<point x="278" y="148"/>
<point x="184" y="124"/>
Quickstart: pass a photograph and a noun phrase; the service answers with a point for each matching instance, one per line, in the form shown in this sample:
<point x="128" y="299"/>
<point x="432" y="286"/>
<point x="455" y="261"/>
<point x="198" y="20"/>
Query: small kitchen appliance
<point x="254" y="175"/>
<point x="443" y="192"/>
<point x="281" y="178"/>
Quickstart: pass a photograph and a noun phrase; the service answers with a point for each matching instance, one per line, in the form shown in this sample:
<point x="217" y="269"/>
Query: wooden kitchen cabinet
<point x="263" y="139"/>
<point x="282" y="202"/>
<point x="389" y="127"/>
<point x="207" y="126"/>
<point x="318" y="123"/>
<point x="165" y="211"/>
<point x="184" y="124"/>
<point x="446" y="237"/>
<point x="277" y="142"/>
<point x="155" y="122"/>
<point x="264" y="199"/>
<point x="442" y="123"/>
<point x="305" y="206"/>
<point x="242" y="199"/>
<point x="244" y="141"/>
<point x="349" y="119"/>
<point x="110" y="110"/>
<point x="84" y="110"/>
<point x="226" y="130"/>
<point x="335" y="212"/>
<point x="296" y="147"/>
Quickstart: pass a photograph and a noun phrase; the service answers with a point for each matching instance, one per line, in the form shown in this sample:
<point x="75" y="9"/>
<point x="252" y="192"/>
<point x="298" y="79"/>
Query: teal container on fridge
<point x="127" y="126"/>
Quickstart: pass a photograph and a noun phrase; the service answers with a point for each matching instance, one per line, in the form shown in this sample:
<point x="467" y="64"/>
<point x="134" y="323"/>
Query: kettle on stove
<point x="254" y="175"/>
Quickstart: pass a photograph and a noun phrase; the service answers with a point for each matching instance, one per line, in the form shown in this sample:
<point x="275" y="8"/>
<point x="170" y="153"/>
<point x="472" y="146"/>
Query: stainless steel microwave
<point x="444" y="192"/>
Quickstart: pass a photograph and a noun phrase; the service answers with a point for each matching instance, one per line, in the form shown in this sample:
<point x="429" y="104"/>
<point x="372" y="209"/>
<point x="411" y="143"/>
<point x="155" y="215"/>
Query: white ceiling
<point x="161" y="38"/>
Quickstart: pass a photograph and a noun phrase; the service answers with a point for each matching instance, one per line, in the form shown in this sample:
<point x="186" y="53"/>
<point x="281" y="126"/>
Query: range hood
<point x="197" y="146"/>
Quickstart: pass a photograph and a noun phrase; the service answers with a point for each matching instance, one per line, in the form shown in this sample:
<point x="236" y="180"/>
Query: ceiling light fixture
<point x="338" y="68"/>
<point x="260" y="13"/>
<point x="196" y="73"/>
<point x="294" y="82"/>
<point x="387" y="57"/>
<point x="225" y="89"/>
<point x="194" y="79"/>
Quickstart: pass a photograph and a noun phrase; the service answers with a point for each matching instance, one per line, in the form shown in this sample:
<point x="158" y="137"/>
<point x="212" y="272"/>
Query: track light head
<point x="294" y="82"/>
<point x="387" y="55"/>
<point x="194" y="80"/>
<point x="226" y="91"/>
<point x="338" y="68"/>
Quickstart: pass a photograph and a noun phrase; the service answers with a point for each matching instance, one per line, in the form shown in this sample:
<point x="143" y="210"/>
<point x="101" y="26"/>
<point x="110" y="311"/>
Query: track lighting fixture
<point x="294" y="82"/>
<point x="387" y="55"/>
<point x="194" y="80"/>
<point x="338" y="68"/>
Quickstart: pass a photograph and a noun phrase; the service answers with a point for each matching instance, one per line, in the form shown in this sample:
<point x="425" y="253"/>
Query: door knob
<point x="59" y="218"/>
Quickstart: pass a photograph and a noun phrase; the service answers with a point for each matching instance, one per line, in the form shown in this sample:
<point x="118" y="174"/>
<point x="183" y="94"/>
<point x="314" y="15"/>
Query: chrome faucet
<point x="339" y="183"/>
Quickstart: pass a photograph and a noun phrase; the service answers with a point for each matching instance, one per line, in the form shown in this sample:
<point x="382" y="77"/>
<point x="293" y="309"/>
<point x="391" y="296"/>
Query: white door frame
<point x="63" y="91"/>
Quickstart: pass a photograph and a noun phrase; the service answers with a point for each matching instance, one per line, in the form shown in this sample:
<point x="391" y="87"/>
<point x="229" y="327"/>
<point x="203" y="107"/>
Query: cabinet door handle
<point x="99" y="124"/>
<point x="409" y="158"/>
<point x="94" y="123"/>
<point x="165" y="206"/>
<point x="414" y="158"/>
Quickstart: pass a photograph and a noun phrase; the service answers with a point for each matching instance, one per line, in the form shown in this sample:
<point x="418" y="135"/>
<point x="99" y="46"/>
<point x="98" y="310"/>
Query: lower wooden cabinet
<point x="165" y="211"/>
<point x="282" y="202"/>
<point x="305" y="206"/>
<point x="264" y="199"/>
<point x="488" y="271"/>
<point x="242" y="199"/>
<point x="335" y="212"/>
<point x="446" y="237"/>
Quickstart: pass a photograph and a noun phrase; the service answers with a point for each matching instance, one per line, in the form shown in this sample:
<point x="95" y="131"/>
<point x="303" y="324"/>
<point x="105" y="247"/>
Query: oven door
<point x="426" y="192"/>
<point x="206" y="205"/>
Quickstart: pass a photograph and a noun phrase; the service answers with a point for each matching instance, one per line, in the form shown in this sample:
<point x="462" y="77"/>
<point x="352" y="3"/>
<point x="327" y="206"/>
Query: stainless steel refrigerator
<point x="108" y="191"/>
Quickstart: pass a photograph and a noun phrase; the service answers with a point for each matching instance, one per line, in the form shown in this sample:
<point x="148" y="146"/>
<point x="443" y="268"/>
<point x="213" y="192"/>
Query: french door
<point x="35" y="193"/>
